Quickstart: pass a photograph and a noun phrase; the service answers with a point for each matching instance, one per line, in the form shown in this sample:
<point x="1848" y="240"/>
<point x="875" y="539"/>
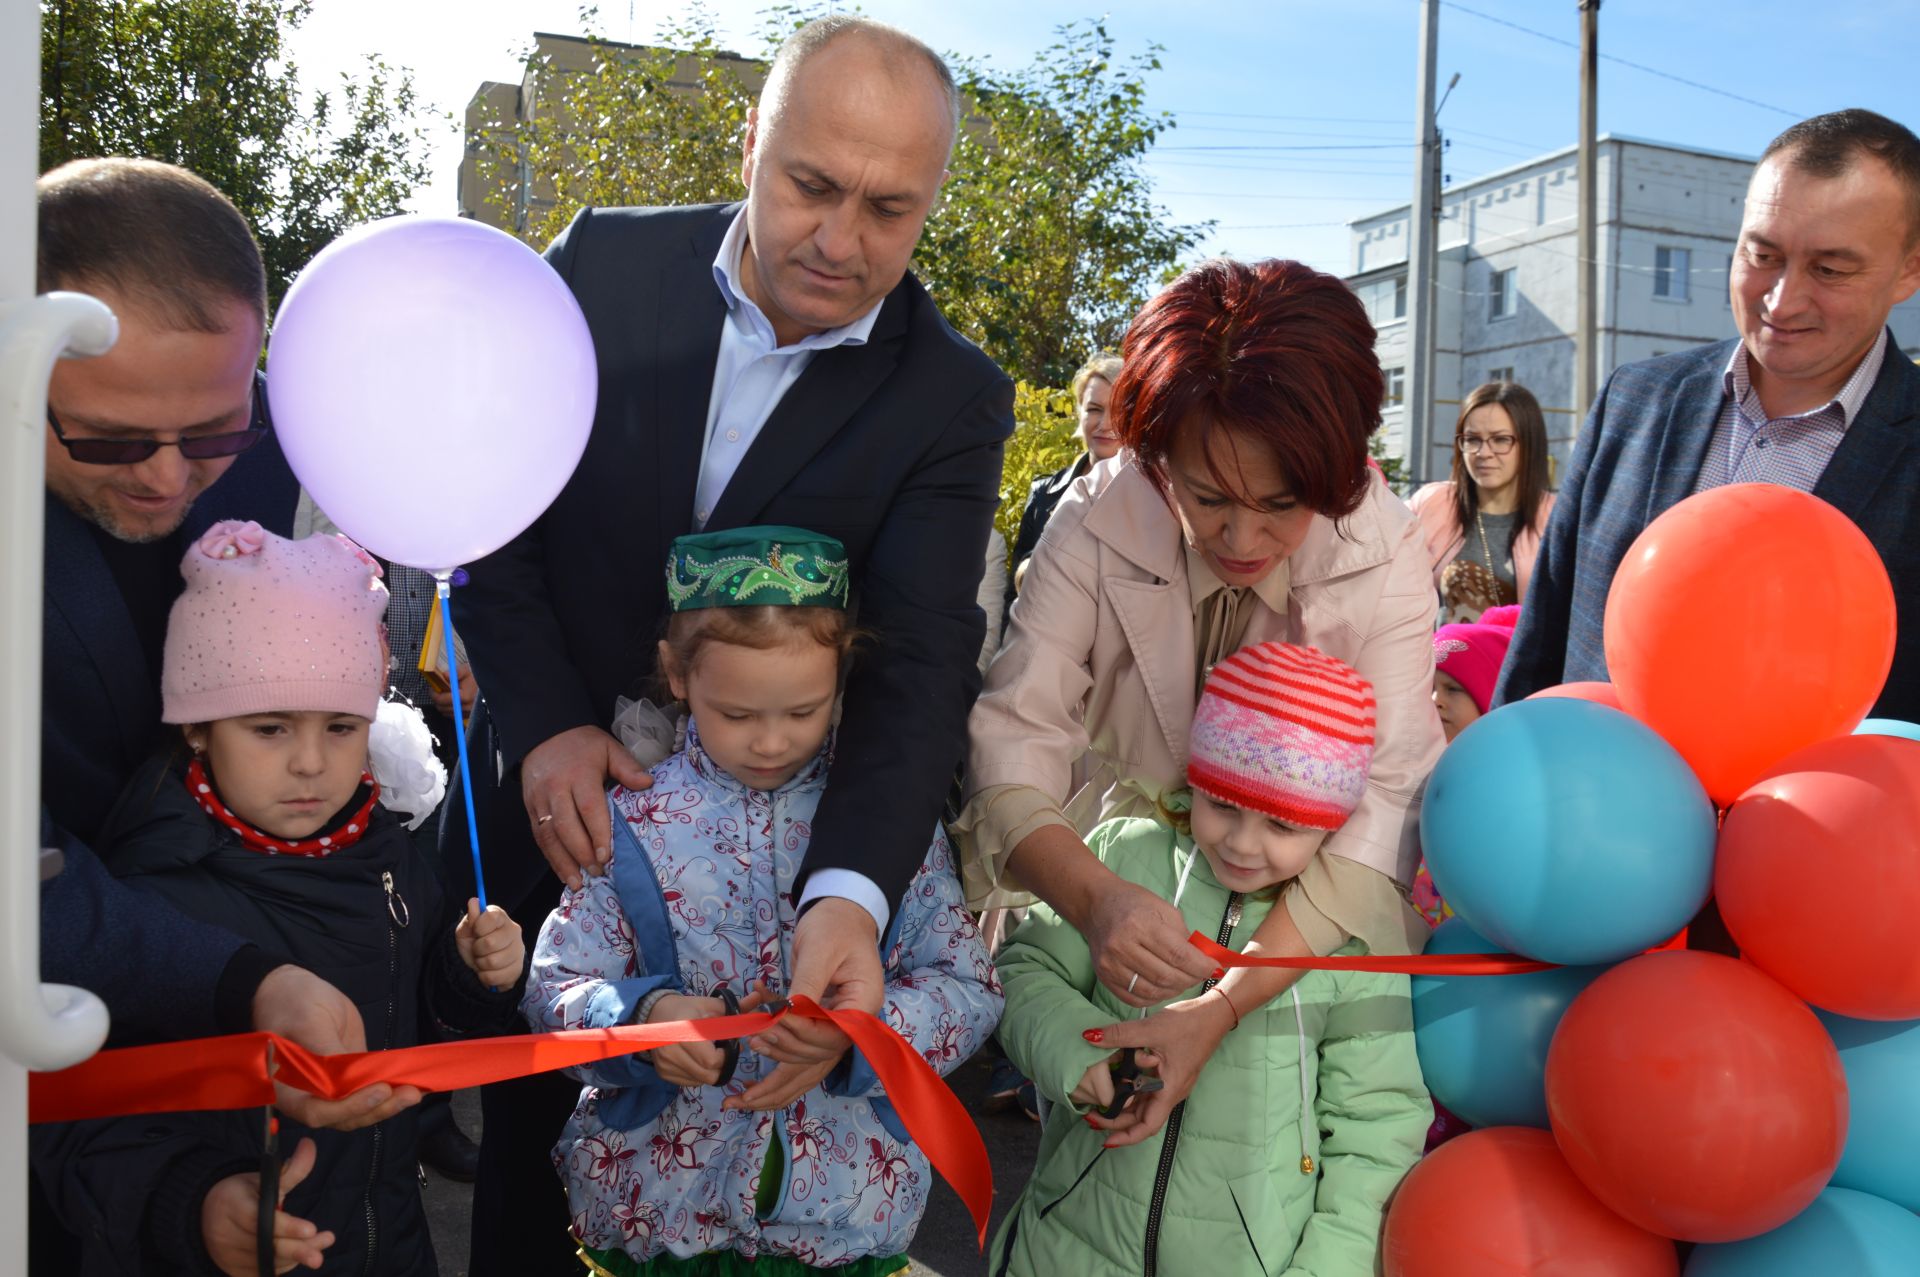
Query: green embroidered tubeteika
<point x="750" y="567"/>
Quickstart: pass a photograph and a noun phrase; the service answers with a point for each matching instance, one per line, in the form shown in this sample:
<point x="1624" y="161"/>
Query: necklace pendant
<point x="1306" y="1166"/>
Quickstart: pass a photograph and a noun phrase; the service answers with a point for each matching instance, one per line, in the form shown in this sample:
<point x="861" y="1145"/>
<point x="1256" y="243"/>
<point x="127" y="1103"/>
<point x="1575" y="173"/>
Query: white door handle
<point x="43" y="1026"/>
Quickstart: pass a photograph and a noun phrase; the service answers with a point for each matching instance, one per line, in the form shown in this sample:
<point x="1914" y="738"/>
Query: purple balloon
<point x="432" y="382"/>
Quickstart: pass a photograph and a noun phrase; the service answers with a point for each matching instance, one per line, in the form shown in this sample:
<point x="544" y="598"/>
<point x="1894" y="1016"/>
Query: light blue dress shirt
<point x="751" y="375"/>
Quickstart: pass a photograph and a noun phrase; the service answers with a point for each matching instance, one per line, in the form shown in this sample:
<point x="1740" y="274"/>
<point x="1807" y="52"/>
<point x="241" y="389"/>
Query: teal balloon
<point x="1483" y="1040"/>
<point x="1882" y="1060"/>
<point x="1843" y="1232"/>
<point x="1888" y="727"/>
<point x="1568" y="832"/>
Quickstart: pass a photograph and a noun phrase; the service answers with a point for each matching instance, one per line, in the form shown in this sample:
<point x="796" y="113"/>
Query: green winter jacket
<point x="1235" y="1200"/>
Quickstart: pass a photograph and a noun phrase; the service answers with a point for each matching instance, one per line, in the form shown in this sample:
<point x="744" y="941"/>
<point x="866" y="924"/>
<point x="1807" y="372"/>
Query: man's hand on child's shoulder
<point x="491" y="945"/>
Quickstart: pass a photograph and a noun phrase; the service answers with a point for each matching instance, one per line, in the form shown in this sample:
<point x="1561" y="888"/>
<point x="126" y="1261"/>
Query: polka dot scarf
<point x="345" y="832"/>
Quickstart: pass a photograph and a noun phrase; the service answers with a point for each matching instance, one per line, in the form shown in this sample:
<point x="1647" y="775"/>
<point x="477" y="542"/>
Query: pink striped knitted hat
<point x="1285" y="730"/>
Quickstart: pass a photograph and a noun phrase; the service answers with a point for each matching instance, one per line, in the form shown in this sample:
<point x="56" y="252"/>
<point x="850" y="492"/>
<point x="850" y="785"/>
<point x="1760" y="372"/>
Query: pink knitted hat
<point x="267" y="624"/>
<point x="1285" y="730"/>
<point x="1471" y="654"/>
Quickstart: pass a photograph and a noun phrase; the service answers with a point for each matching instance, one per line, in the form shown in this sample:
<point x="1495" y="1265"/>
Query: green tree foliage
<point x="1043" y="441"/>
<point x="640" y="126"/>
<point x="1394" y="468"/>
<point x="206" y="84"/>
<point x="1046" y="238"/>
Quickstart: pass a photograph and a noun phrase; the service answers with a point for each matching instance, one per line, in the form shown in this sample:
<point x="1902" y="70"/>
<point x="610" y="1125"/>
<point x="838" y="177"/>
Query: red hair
<point x="1274" y="351"/>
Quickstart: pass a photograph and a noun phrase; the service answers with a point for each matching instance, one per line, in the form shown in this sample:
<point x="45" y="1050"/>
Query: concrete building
<point x="1505" y="286"/>
<point x="512" y="199"/>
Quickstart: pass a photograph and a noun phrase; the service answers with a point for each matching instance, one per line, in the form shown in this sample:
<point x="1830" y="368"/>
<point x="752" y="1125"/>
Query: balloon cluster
<point x="1630" y="1098"/>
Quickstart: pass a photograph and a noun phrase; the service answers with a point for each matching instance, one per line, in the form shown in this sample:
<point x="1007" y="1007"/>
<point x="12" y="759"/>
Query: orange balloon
<point x="1745" y="623"/>
<point x="1598" y="693"/>
<point x="1818" y="875"/>
<point x="1696" y="1097"/>
<point x="1501" y="1202"/>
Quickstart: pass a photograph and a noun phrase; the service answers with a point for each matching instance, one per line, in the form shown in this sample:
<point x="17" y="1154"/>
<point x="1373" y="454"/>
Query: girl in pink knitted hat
<point x="265" y="818"/>
<point x="1303" y="1122"/>
<point x="1466" y="666"/>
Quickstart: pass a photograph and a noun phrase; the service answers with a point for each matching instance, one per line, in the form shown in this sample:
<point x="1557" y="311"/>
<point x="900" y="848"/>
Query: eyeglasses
<point x="131" y="452"/>
<point x="1498" y="445"/>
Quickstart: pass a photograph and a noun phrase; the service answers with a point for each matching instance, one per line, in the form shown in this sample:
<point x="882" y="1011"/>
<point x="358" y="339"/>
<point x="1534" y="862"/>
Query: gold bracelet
<point x="1230" y="1007"/>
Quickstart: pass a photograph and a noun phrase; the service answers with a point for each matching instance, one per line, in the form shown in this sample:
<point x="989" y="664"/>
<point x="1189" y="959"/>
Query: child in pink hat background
<point x="1466" y="667"/>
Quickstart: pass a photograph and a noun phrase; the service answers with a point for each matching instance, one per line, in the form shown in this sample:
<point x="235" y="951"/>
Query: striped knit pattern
<point x="1285" y="730"/>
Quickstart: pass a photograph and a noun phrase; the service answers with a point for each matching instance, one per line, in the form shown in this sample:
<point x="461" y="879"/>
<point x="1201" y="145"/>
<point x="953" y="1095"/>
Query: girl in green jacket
<point x="1302" y="1124"/>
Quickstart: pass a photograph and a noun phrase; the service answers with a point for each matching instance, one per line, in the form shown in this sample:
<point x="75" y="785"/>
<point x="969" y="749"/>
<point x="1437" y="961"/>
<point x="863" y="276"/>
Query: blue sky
<point x="1244" y="80"/>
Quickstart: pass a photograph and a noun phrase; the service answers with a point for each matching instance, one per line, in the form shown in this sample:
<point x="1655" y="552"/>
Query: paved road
<point x="944" y="1247"/>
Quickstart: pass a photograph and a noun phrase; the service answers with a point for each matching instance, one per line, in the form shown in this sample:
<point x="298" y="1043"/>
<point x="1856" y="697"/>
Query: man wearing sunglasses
<point x="145" y="446"/>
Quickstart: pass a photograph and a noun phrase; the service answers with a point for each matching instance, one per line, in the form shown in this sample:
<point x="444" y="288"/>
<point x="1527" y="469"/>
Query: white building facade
<point x="1505" y="289"/>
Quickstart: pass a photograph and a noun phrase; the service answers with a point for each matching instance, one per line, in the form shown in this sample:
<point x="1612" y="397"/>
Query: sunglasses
<point x="131" y="452"/>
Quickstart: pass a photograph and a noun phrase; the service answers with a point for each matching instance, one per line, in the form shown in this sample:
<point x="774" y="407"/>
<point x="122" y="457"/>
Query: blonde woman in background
<point x="1091" y="387"/>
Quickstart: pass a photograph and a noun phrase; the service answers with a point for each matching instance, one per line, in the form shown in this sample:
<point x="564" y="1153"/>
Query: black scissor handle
<point x="1127" y="1083"/>
<point x="730" y="1048"/>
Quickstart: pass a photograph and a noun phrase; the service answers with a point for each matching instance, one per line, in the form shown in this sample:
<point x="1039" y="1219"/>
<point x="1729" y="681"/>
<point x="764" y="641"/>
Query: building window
<point x="1500" y="374"/>
<point x="1396" y="387"/>
<point x="1670" y="273"/>
<point x="1385" y="299"/>
<point x="1503" y="296"/>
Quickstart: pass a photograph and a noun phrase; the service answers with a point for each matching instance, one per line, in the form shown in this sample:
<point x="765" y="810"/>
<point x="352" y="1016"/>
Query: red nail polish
<point x="1095" y="1036"/>
<point x="1219" y="973"/>
<point x="1109" y="1144"/>
<point x="1090" y="1122"/>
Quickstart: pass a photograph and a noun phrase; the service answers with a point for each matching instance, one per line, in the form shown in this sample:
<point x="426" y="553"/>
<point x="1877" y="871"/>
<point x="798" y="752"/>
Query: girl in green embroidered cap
<point x="755" y="1155"/>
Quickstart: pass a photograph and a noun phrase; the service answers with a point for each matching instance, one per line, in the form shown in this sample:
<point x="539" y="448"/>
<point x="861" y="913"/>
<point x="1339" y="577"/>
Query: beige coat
<point x="1100" y="657"/>
<point x="1433" y="506"/>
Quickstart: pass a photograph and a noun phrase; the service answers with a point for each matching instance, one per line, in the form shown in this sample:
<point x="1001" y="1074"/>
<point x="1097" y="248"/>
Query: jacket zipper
<point x="398" y="915"/>
<point x="1228" y="921"/>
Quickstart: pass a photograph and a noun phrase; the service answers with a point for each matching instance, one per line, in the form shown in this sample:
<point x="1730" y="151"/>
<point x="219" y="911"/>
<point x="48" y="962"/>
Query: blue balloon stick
<point x="443" y="590"/>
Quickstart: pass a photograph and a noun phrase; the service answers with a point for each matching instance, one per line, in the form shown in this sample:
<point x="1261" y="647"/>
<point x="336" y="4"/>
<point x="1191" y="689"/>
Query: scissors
<point x="1128" y="1081"/>
<point x="730" y="1048"/>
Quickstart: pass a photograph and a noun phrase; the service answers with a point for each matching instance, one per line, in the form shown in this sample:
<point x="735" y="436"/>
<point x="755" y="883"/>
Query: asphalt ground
<point x="945" y="1246"/>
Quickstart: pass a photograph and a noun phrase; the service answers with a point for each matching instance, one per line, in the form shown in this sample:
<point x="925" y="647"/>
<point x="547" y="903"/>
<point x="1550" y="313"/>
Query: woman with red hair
<point x="1242" y="509"/>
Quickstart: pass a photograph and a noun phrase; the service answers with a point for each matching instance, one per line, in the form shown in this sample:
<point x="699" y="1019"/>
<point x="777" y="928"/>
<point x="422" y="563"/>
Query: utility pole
<point x="1421" y="233"/>
<point x="1586" y="348"/>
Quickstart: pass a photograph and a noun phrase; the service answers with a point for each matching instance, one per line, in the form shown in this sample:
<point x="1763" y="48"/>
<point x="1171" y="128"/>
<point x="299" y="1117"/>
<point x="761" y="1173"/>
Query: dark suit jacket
<point x="99" y="721"/>
<point x="893" y="446"/>
<point x="1640" y="453"/>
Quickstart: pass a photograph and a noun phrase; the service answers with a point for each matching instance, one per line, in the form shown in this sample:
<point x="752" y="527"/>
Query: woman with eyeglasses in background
<point x="1484" y="525"/>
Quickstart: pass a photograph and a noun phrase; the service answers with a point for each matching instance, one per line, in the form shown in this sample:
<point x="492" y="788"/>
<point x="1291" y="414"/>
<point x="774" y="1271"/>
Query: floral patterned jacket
<point x="698" y="896"/>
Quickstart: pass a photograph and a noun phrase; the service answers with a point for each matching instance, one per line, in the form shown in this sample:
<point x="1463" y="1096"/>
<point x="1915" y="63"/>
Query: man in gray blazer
<point x="1814" y="394"/>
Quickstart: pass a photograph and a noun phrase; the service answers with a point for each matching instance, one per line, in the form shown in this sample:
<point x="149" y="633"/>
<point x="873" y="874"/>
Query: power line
<point x="1272" y="226"/>
<point x="1314" y="133"/>
<point x="1637" y="66"/>
<point x="1261" y="115"/>
<point x="1373" y="146"/>
<point x="1532" y="148"/>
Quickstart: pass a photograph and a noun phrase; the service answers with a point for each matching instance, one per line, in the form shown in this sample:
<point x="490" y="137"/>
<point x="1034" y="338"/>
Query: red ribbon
<point x="1416" y="964"/>
<point x="239" y="1072"/>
